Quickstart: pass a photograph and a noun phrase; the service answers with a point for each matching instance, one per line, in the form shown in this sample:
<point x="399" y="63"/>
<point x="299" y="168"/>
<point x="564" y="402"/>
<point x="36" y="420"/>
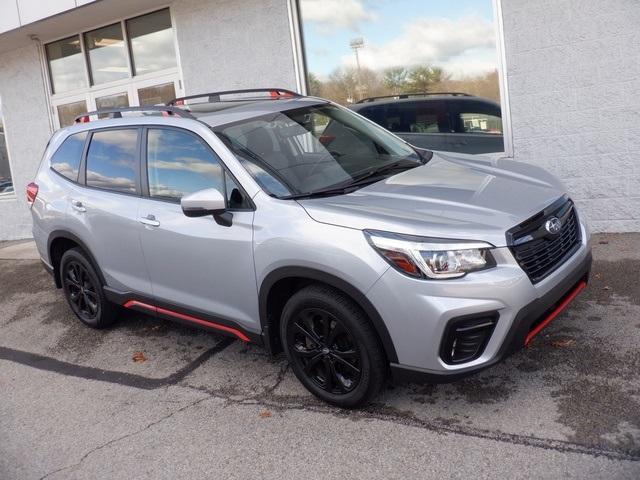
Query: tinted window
<point x="376" y="113"/>
<point x="478" y="117"/>
<point x="66" y="160"/>
<point x="417" y="117"/>
<point x="178" y="163"/>
<point x="111" y="160"/>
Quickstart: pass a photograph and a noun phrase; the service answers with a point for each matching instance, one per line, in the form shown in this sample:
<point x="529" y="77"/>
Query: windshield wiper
<point x="356" y="182"/>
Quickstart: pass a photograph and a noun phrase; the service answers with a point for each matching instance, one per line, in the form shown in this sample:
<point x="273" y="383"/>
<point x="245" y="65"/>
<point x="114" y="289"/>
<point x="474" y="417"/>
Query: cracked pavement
<point x="73" y="403"/>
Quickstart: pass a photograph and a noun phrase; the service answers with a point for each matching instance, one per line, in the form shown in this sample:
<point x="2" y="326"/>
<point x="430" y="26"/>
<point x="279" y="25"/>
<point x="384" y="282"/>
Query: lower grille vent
<point x="466" y="339"/>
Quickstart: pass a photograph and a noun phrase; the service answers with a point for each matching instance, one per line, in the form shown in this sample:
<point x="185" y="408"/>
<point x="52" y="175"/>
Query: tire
<point x="83" y="290"/>
<point x="332" y="347"/>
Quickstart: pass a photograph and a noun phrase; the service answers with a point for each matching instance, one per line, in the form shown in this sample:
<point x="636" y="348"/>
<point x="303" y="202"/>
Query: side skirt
<point x="182" y="315"/>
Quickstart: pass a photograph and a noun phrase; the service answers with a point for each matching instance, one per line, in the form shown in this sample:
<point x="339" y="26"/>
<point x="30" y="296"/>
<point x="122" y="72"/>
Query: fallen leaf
<point x="606" y="288"/>
<point x="138" y="357"/>
<point x="562" y="343"/>
<point x="265" y="414"/>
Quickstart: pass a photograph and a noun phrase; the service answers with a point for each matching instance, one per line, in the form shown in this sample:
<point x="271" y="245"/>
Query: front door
<point x="195" y="263"/>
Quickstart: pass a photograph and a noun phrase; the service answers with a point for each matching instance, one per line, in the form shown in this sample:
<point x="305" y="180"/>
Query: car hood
<point x="453" y="196"/>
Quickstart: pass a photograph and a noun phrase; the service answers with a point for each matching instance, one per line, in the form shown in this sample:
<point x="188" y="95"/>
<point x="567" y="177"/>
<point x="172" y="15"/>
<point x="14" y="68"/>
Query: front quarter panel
<point x="285" y="236"/>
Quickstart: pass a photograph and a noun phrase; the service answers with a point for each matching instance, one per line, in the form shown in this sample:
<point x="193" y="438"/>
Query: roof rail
<point x="117" y="112"/>
<point x="212" y="97"/>
<point x="409" y="95"/>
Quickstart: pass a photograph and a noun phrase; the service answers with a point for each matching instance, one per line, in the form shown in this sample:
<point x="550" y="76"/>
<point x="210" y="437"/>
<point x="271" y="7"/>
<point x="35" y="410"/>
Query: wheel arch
<point x="282" y="277"/>
<point x="60" y="241"/>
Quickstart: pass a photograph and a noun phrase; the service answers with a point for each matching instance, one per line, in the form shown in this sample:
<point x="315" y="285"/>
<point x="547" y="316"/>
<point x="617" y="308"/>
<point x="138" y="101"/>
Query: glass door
<point x="157" y="90"/>
<point x="115" y="100"/>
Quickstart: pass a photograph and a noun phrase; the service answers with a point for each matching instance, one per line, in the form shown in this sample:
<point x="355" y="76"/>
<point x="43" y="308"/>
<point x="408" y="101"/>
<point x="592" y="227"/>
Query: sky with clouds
<point x="457" y="35"/>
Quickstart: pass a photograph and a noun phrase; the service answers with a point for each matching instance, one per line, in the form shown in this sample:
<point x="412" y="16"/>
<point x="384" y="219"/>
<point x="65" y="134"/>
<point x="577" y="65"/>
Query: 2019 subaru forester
<point x="297" y="224"/>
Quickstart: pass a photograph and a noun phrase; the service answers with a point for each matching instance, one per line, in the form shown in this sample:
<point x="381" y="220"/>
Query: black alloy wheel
<point x="332" y="346"/>
<point x="325" y="350"/>
<point x="83" y="290"/>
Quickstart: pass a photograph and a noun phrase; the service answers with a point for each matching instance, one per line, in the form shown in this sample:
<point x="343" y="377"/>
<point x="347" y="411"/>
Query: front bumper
<point x="523" y="323"/>
<point x="417" y="312"/>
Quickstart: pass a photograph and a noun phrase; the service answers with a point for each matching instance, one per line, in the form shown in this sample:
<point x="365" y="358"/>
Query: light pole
<point x="356" y="44"/>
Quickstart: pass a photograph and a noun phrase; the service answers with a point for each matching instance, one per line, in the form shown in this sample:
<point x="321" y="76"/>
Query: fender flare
<point x="57" y="234"/>
<point x="312" y="274"/>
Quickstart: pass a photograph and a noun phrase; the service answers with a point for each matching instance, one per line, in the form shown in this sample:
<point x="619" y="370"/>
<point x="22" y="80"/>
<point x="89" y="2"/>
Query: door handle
<point x="149" y="220"/>
<point x="77" y="206"/>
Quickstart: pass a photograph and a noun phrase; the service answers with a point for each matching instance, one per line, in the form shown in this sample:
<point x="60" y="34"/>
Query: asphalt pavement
<point x="152" y="399"/>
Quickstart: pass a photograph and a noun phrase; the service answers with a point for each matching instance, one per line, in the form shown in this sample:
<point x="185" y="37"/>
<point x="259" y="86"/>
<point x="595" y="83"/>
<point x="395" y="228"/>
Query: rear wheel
<point x="83" y="290"/>
<point x="332" y="347"/>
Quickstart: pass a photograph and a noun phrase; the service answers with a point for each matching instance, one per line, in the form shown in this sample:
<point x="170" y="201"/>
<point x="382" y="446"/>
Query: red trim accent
<point x="188" y="318"/>
<point x="556" y="311"/>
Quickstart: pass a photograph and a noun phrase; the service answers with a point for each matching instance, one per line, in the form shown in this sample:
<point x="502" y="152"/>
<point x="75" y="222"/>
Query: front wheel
<point x="332" y="347"/>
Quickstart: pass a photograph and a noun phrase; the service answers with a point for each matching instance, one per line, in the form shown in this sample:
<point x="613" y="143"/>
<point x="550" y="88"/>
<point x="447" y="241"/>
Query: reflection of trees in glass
<point x="342" y="84"/>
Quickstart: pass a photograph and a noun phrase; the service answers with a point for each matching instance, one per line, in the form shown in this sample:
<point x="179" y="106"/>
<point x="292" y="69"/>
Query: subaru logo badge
<point x="553" y="225"/>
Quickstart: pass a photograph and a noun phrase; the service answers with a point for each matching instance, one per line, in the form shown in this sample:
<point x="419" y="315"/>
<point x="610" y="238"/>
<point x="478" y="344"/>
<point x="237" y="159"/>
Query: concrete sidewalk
<point x="19" y="250"/>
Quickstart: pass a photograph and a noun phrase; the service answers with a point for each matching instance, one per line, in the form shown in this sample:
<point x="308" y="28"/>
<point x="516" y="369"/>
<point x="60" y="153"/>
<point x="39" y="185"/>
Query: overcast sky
<point x="456" y="34"/>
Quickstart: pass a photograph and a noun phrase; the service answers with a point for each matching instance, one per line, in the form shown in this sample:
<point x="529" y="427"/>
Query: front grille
<point x="466" y="338"/>
<point x="540" y="252"/>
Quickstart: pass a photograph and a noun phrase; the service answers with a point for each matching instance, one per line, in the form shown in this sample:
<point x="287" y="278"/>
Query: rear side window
<point x="66" y="160"/>
<point x="418" y="117"/>
<point x="178" y="163"/>
<point x="112" y="160"/>
<point x="476" y="117"/>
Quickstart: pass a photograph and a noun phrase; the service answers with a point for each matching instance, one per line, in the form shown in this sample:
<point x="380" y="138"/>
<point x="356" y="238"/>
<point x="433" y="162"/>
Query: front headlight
<point x="422" y="257"/>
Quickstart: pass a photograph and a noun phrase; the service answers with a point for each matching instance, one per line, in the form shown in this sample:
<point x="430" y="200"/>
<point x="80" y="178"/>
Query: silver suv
<point x="299" y="225"/>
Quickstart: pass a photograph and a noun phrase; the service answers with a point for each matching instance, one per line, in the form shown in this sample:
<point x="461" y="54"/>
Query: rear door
<point x="103" y="207"/>
<point x="196" y="265"/>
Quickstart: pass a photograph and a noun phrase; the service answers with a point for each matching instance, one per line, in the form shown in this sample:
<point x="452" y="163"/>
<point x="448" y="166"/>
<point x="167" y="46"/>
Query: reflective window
<point x="415" y="117"/>
<point x="157" y="94"/>
<point x="178" y="163"/>
<point x="66" y="65"/>
<point x="385" y="47"/>
<point x="112" y="101"/>
<point x="66" y="160"/>
<point x="68" y="112"/>
<point x="107" y="54"/>
<point x="151" y="41"/>
<point x="481" y="123"/>
<point x="382" y="54"/>
<point x="112" y="160"/>
<point x="6" y="183"/>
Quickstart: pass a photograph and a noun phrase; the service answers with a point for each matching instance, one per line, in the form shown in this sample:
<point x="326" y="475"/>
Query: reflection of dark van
<point x="454" y="122"/>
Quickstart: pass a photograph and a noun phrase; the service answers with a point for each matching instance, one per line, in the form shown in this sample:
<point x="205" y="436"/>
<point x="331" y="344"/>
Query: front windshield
<point x="311" y="149"/>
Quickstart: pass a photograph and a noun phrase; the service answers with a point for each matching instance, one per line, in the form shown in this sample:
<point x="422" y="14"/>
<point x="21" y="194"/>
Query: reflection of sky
<point x="152" y="42"/>
<point x="67" y="72"/>
<point x="455" y="35"/>
<point x="111" y="160"/>
<point x="153" y="52"/>
<point x="107" y="55"/>
<point x="66" y="160"/>
<point x="179" y="164"/>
